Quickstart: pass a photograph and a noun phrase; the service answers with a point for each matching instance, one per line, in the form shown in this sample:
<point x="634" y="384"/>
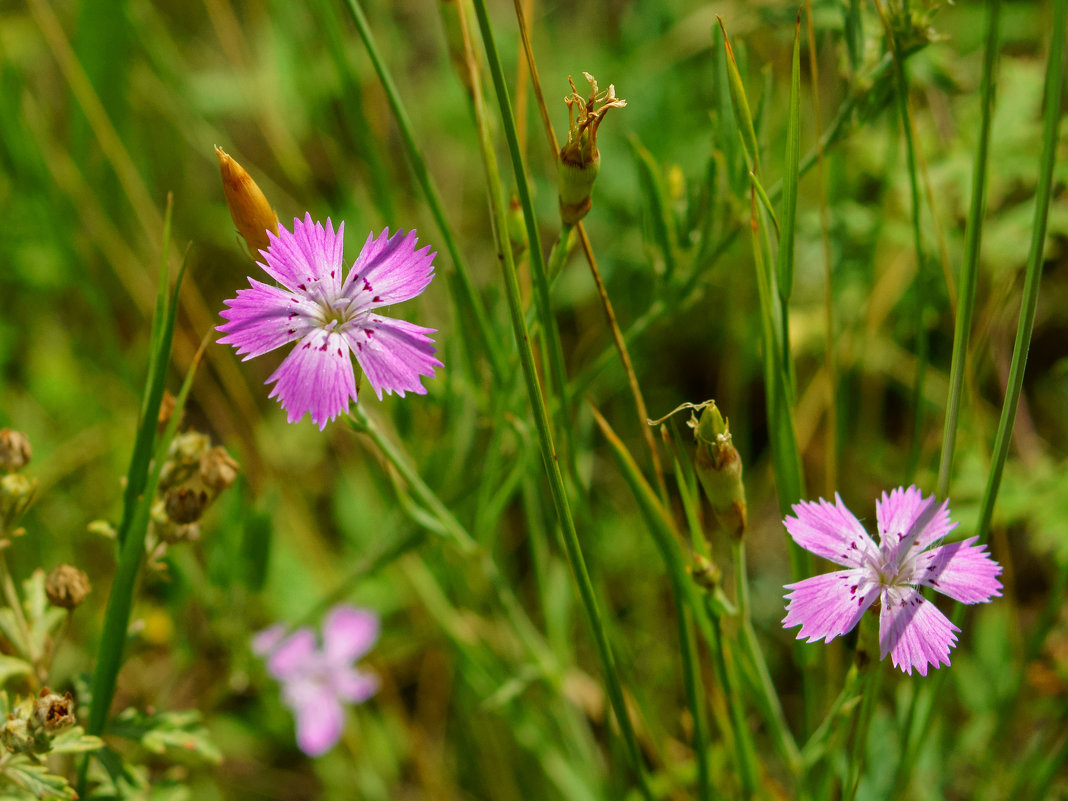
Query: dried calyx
<point x="580" y="161"/>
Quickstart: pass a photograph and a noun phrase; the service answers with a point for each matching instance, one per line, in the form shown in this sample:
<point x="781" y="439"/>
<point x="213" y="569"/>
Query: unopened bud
<point x="15" y="450"/>
<point x="185" y="505"/>
<point x="52" y="712"/>
<point x="251" y="212"/>
<point x="183" y="458"/>
<point x="16" y="495"/>
<point x="719" y="468"/>
<point x="706" y="573"/>
<point x="67" y="587"/>
<point x="218" y="469"/>
<point x="580" y="160"/>
<point x="15" y="736"/>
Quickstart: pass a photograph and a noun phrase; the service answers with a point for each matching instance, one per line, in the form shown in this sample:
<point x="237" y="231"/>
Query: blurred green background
<point x="107" y="107"/>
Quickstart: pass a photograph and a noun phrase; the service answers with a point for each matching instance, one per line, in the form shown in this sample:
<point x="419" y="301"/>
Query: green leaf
<point x="12" y="666"/>
<point x="11" y="629"/>
<point x="790" y="174"/>
<point x="165" y="730"/>
<point x="75" y="741"/>
<point x="42" y="618"/>
<point x="36" y="780"/>
<point x="740" y="103"/>
<point x="651" y="180"/>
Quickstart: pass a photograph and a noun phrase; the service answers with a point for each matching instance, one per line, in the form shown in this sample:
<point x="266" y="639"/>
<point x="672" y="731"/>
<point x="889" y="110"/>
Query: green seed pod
<point x="719" y="468"/>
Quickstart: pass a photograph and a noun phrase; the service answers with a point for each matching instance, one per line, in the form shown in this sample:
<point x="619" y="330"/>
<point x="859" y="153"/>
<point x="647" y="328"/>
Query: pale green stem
<point x="970" y="266"/>
<point x="465" y="294"/>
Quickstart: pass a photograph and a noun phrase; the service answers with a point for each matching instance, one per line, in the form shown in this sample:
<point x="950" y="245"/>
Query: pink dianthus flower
<point x="911" y="629"/>
<point x="330" y="318"/>
<point x="318" y="682"/>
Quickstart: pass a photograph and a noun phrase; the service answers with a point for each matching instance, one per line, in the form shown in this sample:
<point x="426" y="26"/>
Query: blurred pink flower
<point x="318" y="682"/>
<point x="329" y="318"/>
<point x="911" y="629"/>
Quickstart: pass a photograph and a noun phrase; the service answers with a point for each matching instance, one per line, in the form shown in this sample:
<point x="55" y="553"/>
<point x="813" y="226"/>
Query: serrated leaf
<point x="165" y="730"/>
<point x="9" y="625"/>
<point x="75" y="741"/>
<point x="36" y="780"/>
<point x="42" y="618"/>
<point x="12" y="666"/>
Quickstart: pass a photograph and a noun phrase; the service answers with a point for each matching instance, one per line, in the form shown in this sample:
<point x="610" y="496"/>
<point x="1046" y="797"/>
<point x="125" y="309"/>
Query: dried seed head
<point x="15" y="450"/>
<point x="67" y="587"/>
<point x="185" y="505"/>
<point x="218" y="469"/>
<point x="183" y="458"/>
<point x="251" y="212"/>
<point x="580" y="161"/>
<point x="52" y="712"/>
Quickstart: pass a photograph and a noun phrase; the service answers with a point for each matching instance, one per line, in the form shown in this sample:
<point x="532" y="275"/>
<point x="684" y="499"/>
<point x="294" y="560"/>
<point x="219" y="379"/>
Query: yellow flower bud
<point x="251" y="212"/>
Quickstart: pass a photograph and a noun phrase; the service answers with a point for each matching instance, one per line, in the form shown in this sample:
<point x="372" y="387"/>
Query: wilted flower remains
<point x="911" y="629"/>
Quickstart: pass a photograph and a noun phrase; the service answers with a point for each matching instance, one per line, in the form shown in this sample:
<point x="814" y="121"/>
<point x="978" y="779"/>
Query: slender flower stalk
<point x="911" y="629"/>
<point x="330" y="318"/>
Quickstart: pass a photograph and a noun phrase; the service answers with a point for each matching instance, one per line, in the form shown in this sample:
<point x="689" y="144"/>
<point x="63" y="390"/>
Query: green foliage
<point x="644" y="650"/>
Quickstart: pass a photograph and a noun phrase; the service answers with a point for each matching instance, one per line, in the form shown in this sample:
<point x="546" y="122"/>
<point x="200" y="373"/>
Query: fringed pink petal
<point x="829" y="605"/>
<point x="962" y="570"/>
<point x="906" y="517"/>
<point x="263" y="318"/>
<point x="389" y="270"/>
<point x="320" y="722"/>
<point x="316" y="378"/>
<point x="913" y="631"/>
<point x="348" y="633"/>
<point x="310" y="254"/>
<point x="393" y="354"/>
<point x="291" y="657"/>
<point x="831" y="531"/>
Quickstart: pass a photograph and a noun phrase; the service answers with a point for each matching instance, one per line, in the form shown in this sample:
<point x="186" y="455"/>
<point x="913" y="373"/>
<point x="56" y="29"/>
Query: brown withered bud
<point x="251" y="212"/>
<point x="580" y="160"/>
<point x="67" y="587"/>
<point x="166" y="408"/>
<point x="183" y="458"/>
<point x="218" y="469"/>
<point x="53" y="712"/>
<point x="15" y="450"/>
<point x="185" y="505"/>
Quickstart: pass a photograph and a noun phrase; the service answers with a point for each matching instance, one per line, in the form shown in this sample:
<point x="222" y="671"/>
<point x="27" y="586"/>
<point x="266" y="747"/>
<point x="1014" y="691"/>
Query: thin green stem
<point x="459" y="535"/>
<point x="769" y="698"/>
<point x="1033" y="275"/>
<point x="466" y="299"/>
<point x="691" y="675"/>
<point x="920" y="293"/>
<point x="551" y="465"/>
<point x="972" y="237"/>
<point x="543" y="302"/>
<point x="858" y="752"/>
<point x="924" y="707"/>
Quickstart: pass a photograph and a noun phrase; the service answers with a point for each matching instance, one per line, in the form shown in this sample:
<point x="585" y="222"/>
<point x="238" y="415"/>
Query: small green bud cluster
<point x="29" y="729"/>
<point x="194" y="474"/>
<point x="16" y="490"/>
